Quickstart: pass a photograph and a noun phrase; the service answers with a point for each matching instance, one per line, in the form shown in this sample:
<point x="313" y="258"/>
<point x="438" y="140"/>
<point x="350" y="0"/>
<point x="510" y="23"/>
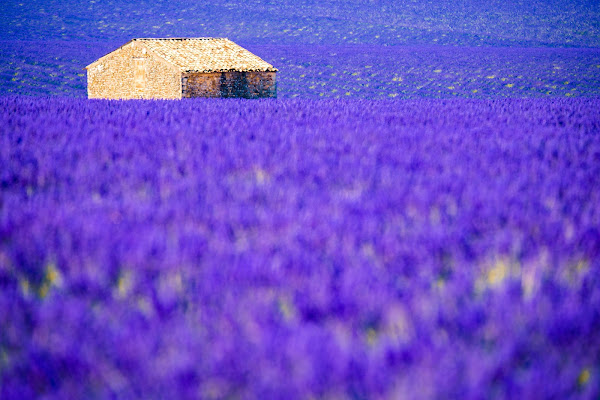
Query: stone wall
<point x="131" y="72"/>
<point x="196" y="84"/>
<point x="249" y="85"/>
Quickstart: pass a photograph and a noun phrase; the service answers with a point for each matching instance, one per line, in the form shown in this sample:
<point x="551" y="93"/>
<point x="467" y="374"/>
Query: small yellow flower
<point x="584" y="377"/>
<point x="497" y="274"/>
<point x="371" y="336"/>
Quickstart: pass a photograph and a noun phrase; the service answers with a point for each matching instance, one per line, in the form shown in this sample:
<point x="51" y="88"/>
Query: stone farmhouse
<point x="180" y="68"/>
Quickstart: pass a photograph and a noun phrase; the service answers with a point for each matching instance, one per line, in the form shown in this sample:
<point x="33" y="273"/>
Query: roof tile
<point x="206" y="54"/>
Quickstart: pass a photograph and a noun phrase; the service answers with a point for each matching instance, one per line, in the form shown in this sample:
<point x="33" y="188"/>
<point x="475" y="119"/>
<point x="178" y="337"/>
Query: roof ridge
<point x="184" y="38"/>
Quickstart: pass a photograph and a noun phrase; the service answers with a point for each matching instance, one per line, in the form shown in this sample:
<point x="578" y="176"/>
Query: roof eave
<point x="207" y="71"/>
<point x="106" y="55"/>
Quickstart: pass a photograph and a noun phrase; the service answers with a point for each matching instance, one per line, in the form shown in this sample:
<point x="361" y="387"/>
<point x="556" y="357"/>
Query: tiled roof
<point x="205" y="54"/>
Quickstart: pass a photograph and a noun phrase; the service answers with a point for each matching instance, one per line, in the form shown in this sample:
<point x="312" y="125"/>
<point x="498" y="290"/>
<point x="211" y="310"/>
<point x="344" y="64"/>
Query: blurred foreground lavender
<point x="295" y="249"/>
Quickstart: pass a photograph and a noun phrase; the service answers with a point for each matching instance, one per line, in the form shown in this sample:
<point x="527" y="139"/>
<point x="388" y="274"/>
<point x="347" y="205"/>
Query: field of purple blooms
<point x="515" y="23"/>
<point x="300" y="248"/>
<point x="38" y="68"/>
<point x="326" y="48"/>
<point x="417" y="216"/>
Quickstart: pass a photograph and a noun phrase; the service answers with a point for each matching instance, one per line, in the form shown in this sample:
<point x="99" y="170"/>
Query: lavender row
<point x="549" y="23"/>
<point x="299" y="249"/>
<point x="368" y="72"/>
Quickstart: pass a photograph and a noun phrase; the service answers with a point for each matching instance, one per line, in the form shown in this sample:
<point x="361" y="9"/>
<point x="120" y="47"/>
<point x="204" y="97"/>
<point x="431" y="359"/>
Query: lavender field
<point x="514" y="23"/>
<point x="416" y="216"/>
<point x="326" y="49"/>
<point x="300" y="249"/>
<point x="37" y="68"/>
